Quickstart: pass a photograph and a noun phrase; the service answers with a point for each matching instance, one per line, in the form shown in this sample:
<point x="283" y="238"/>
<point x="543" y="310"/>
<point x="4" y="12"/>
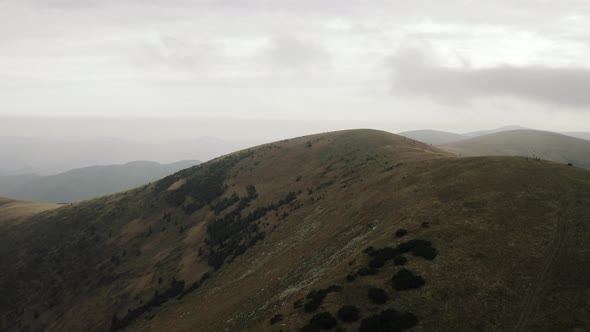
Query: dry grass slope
<point x="526" y="143"/>
<point x="505" y="245"/>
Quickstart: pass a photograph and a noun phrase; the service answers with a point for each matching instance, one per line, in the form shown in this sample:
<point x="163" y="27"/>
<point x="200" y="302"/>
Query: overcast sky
<point x="454" y="65"/>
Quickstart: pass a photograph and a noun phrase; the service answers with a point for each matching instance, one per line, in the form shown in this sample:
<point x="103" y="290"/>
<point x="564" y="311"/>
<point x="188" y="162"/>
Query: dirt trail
<point x="531" y="301"/>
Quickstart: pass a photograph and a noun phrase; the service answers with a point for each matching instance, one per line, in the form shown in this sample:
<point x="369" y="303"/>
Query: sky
<point x="296" y="65"/>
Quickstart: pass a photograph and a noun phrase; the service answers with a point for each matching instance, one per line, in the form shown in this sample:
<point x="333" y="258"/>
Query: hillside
<point x="478" y="133"/>
<point x="526" y="143"/>
<point x="346" y="224"/>
<point x="88" y="182"/>
<point x="434" y="137"/>
<point x="580" y="135"/>
<point x="14" y="211"/>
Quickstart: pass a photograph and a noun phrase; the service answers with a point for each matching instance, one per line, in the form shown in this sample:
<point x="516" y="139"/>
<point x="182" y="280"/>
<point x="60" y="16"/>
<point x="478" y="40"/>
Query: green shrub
<point x="387" y="321"/>
<point x="421" y="248"/>
<point x="406" y="279"/>
<point x="348" y="313"/>
<point x="324" y="321"/>
<point x="366" y="271"/>
<point x="315" y="297"/>
<point x="377" y="295"/>
<point x="401" y="232"/>
<point x="400" y="261"/>
<point x="376" y="263"/>
<point x="276" y="319"/>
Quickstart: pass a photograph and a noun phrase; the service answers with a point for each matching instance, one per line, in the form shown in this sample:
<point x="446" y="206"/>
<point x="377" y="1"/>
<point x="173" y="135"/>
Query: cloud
<point x="417" y="72"/>
<point x="291" y="52"/>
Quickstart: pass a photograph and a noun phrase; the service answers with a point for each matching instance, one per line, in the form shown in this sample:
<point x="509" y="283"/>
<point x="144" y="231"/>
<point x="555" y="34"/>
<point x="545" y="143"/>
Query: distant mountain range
<point x="88" y="182"/>
<point x="436" y="137"/>
<point x="572" y="147"/>
<point x="53" y="155"/>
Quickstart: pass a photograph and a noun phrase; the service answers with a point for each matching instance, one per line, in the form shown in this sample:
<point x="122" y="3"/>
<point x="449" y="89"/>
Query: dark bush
<point x="276" y="319"/>
<point x="425" y="224"/>
<point x="324" y="321"/>
<point x="408" y="246"/>
<point x="309" y="328"/>
<point x="365" y="271"/>
<point x="377" y="295"/>
<point x="225" y="203"/>
<point x="297" y="304"/>
<point x="348" y="313"/>
<point x="251" y="192"/>
<point x="408" y="320"/>
<point x="406" y="279"/>
<point x="333" y="289"/>
<point x="400" y="260"/>
<point x="421" y="248"/>
<point x="428" y="253"/>
<point x="385" y="253"/>
<point x="176" y="288"/>
<point x="401" y="232"/>
<point x="350" y="277"/>
<point x="315" y="297"/>
<point x="387" y="321"/>
<point x="314" y="303"/>
<point x="376" y="263"/>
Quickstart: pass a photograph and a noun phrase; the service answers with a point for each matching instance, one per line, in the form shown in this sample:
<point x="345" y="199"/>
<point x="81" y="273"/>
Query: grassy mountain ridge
<point x="246" y="238"/>
<point x="12" y="211"/>
<point x="529" y="143"/>
<point x="87" y="182"/>
<point x="433" y="136"/>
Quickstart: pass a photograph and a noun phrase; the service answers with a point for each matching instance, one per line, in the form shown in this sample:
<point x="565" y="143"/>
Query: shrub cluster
<point x="406" y="279"/>
<point x="233" y="234"/>
<point x="387" y="321"/>
<point x="176" y="288"/>
<point x="225" y="203"/>
<point x="421" y="248"/>
<point x="401" y="232"/>
<point x="276" y="319"/>
<point x="400" y="261"/>
<point x="367" y="271"/>
<point x="204" y="184"/>
<point x="377" y="295"/>
<point x="348" y="313"/>
<point x="315" y="297"/>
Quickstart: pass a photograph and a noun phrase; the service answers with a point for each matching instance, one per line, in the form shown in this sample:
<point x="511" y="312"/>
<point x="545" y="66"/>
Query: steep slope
<point x="364" y="218"/>
<point x="88" y="182"/>
<point x="526" y="143"/>
<point x="433" y="136"/>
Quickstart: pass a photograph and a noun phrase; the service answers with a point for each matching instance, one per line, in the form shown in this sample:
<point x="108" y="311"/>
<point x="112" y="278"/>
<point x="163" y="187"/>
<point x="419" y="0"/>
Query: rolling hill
<point x="434" y="137"/>
<point x="580" y="135"/>
<point x="360" y="230"/>
<point x="526" y="143"/>
<point x="478" y="133"/>
<point x="14" y="211"/>
<point x="88" y="182"/>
